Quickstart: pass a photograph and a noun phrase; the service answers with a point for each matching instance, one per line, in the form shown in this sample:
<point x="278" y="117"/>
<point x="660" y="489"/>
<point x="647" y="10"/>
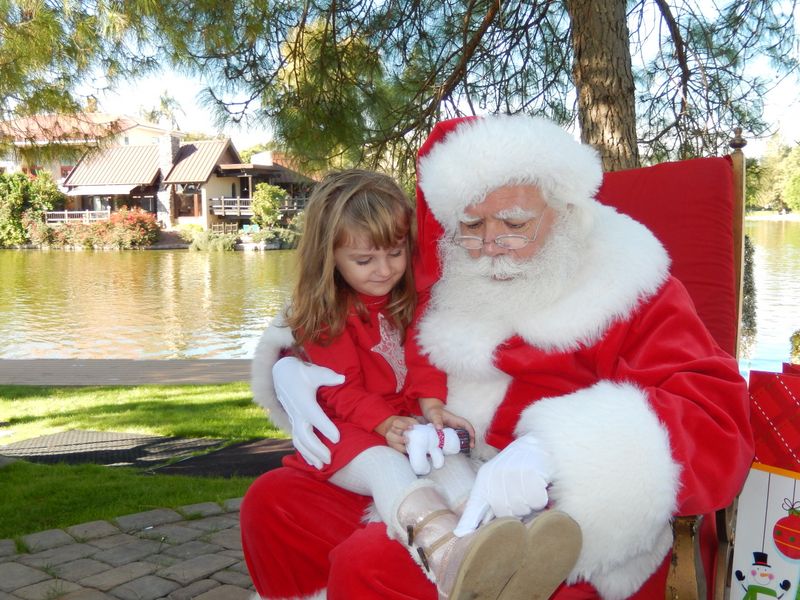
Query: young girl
<point x="353" y="300"/>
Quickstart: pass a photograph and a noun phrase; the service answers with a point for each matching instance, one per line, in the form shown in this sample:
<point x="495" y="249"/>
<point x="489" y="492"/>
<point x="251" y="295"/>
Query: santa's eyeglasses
<point x="509" y="241"/>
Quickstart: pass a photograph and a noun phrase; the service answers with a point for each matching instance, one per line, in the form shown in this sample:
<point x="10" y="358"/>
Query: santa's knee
<point x="261" y="501"/>
<point x="371" y="565"/>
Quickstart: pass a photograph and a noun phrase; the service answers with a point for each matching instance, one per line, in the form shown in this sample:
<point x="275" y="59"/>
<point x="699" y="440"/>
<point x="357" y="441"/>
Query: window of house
<point x="148" y="203"/>
<point x="101" y="202"/>
<point x="186" y="207"/>
<point x="233" y="190"/>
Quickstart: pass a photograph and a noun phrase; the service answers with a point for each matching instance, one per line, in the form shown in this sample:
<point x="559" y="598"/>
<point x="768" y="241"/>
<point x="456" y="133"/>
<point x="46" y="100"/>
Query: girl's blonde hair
<point x="343" y="206"/>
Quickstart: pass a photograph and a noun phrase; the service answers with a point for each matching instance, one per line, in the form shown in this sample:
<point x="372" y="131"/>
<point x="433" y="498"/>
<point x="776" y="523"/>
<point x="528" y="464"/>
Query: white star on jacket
<point x="391" y="349"/>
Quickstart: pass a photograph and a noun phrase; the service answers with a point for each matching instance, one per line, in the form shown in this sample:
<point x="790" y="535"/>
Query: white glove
<point x="296" y="386"/>
<point x="423" y="441"/>
<point x="513" y="483"/>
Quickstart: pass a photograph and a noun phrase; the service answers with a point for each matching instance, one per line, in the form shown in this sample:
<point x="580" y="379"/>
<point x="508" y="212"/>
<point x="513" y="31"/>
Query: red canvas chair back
<point x="695" y="208"/>
<point x="689" y="206"/>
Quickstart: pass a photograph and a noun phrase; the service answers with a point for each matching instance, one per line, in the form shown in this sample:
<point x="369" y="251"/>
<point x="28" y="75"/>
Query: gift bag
<point x="766" y="559"/>
<point x="775" y="417"/>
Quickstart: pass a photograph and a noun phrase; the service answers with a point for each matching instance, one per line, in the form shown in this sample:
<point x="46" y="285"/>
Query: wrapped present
<point x="766" y="557"/>
<point x="791" y="368"/>
<point x="775" y="416"/>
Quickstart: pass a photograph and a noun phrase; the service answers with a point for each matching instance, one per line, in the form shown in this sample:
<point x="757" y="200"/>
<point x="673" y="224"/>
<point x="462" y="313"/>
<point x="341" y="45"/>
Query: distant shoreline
<point x="772" y="217"/>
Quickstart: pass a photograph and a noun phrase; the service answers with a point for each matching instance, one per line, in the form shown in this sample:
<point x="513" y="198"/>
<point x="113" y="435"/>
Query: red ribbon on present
<point x="775" y="417"/>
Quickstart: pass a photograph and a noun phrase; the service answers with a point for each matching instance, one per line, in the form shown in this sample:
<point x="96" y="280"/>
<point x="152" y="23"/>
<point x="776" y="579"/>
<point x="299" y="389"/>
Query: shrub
<point x="133" y="228"/>
<point x="214" y="242"/>
<point x="264" y="235"/>
<point x="39" y="232"/>
<point x="291" y="235"/>
<point x="794" y="353"/>
<point x="188" y="231"/>
<point x="266" y="203"/>
<point x="287" y="236"/>
<point x="81" y="235"/>
<point x="24" y="199"/>
<point x="126" y="229"/>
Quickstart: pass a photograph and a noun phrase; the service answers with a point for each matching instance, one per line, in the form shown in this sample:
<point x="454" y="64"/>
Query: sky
<point x="781" y="110"/>
<point x="146" y="93"/>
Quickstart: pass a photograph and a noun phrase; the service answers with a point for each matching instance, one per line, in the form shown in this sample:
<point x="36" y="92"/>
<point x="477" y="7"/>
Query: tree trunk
<point x="604" y="80"/>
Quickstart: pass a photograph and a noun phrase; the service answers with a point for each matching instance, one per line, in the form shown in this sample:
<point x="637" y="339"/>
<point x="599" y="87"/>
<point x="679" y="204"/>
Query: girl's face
<point x="368" y="270"/>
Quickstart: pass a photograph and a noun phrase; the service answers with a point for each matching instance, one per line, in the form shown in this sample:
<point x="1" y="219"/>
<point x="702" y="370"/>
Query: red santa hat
<point x="464" y="159"/>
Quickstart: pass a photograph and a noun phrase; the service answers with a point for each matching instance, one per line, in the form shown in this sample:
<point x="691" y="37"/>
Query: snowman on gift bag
<point x="760" y="584"/>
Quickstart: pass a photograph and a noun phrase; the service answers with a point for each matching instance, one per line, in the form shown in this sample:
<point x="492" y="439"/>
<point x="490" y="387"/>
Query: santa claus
<point x="551" y="322"/>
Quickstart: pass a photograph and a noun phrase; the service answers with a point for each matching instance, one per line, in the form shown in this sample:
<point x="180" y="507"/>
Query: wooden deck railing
<point x="240" y="207"/>
<point x="224" y="228"/>
<point x="224" y="207"/>
<point x="77" y="216"/>
<point x="294" y="205"/>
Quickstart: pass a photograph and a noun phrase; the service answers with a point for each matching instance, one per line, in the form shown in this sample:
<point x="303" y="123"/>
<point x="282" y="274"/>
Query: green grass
<point x="40" y="497"/>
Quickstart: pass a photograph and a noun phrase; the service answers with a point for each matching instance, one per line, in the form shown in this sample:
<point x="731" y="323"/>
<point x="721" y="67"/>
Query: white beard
<point x="498" y="287"/>
<point x="479" y="303"/>
<point x="565" y="295"/>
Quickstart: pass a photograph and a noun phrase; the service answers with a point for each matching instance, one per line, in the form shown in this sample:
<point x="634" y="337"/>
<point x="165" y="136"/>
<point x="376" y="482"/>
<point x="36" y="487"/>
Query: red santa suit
<point x="642" y="414"/>
<point x="369" y="353"/>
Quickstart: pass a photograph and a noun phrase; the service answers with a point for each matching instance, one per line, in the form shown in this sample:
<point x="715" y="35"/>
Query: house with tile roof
<point x="200" y="182"/>
<point x="55" y="142"/>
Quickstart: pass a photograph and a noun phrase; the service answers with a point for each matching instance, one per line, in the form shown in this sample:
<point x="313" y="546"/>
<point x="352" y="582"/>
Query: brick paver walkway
<point x="193" y="552"/>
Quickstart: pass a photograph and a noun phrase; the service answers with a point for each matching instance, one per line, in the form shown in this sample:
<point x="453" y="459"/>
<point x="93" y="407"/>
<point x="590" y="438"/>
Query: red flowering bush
<point x="126" y="228"/>
<point x="132" y="228"/>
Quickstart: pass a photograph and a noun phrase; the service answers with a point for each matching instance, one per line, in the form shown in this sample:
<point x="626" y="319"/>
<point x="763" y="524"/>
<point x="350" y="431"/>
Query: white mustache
<point x="499" y="267"/>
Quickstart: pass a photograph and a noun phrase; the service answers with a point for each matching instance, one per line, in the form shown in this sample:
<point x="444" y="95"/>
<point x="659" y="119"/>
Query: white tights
<point x="386" y="475"/>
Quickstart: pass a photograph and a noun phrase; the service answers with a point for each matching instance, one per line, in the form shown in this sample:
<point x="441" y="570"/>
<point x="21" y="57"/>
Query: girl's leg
<point x="290" y="522"/>
<point x="418" y="516"/>
<point x="455" y="480"/>
<point x="380" y="472"/>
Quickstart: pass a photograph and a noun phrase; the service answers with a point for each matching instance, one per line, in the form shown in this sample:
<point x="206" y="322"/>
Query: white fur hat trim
<point x="484" y="154"/>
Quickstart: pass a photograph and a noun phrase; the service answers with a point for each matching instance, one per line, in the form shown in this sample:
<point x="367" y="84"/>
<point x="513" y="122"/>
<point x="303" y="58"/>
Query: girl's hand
<point x="437" y="415"/>
<point x="433" y="411"/>
<point x="394" y="429"/>
<point x="451" y="420"/>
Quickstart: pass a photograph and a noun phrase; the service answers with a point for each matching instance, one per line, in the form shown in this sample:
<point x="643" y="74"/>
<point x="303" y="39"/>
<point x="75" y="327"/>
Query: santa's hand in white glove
<point x="513" y="483"/>
<point x="425" y="440"/>
<point x="296" y="386"/>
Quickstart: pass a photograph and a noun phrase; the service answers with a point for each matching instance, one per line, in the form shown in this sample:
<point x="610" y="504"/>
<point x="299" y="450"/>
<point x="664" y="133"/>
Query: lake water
<point x="178" y="304"/>
<point x="777" y="280"/>
<point x="155" y="304"/>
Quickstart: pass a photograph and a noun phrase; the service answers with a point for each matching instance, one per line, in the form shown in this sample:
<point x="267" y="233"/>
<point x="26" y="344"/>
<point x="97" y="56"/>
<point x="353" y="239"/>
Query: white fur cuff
<point x="275" y="338"/>
<point x="612" y="465"/>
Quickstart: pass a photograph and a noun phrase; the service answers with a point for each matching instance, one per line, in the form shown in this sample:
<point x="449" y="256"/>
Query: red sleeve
<point x="696" y="391"/>
<point x="349" y="401"/>
<point x="423" y="380"/>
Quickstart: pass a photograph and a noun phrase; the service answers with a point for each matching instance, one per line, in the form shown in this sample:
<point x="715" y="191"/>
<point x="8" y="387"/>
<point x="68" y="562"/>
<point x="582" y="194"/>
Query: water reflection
<point x="776" y="273"/>
<point x="155" y="304"/>
<point x="180" y="304"/>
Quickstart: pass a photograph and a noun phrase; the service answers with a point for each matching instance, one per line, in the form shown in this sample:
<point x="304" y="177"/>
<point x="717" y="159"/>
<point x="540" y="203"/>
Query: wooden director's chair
<point x="696" y="209"/>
